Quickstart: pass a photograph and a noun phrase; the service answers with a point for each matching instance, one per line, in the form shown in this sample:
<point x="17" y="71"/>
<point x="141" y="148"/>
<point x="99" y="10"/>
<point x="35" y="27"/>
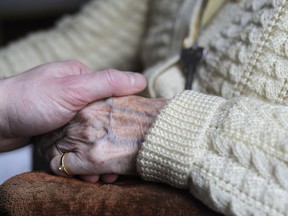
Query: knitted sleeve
<point x="105" y="33"/>
<point x="231" y="154"/>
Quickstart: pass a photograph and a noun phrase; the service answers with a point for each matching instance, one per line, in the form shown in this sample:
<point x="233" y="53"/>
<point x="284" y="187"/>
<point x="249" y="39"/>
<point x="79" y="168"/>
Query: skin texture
<point x="103" y="139"/>
<point x="48" y="96"/>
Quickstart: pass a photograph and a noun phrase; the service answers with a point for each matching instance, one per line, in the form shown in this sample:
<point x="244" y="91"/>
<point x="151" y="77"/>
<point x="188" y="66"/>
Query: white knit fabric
<point x="101" y="36"/>
<point x="248" y="54"/>
<point x="232" y="154"/>
<point x="229" y="151"/>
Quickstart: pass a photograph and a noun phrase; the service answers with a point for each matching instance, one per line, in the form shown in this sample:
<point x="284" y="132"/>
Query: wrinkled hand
<point x="48" y="96"/>
<point x="103" y="138"/>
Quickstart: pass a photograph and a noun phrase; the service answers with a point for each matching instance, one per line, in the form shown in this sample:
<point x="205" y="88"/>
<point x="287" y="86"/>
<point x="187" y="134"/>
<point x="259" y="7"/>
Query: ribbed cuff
<point x="177" y="138"/>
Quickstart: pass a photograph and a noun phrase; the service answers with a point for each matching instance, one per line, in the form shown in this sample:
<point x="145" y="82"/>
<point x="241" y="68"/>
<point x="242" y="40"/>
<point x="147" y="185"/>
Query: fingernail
<point x="137" y="80"/>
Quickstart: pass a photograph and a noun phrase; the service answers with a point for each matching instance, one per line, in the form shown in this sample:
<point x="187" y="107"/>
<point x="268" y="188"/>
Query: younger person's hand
<point x="48" y="96"/>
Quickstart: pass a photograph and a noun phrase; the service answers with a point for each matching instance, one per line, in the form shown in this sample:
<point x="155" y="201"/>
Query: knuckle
<point x="97" y="159"/>
<point x="88" y="132"/>
<point x="85" y="116"/>
<point x="111" y="77"/>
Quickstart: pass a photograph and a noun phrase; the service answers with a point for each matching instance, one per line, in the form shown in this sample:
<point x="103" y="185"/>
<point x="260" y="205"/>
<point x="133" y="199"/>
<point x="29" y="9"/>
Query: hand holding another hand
<point x="103" y="138"/>
<point x="48" y="96"/>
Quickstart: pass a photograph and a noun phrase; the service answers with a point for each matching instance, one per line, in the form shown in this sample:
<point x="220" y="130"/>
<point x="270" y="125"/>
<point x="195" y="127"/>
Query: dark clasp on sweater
<point x="190" y="59"/>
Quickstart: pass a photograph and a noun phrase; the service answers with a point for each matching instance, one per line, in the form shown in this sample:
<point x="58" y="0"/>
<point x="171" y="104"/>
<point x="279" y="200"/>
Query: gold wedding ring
<point x="62" y="165"/>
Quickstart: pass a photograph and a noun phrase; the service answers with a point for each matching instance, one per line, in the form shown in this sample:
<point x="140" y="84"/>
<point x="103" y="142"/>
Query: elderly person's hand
<point x="48" y="96"/>
<point x="102" y="139"/>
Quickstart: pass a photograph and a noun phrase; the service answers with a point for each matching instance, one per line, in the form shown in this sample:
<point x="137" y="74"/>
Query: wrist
<point x="156" y="106"/>
<point x="160" y="103"/>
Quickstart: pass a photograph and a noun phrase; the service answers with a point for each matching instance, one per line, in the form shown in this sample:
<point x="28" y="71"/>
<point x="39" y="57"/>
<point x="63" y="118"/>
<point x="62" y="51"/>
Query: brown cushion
<point x="40" y="193"/>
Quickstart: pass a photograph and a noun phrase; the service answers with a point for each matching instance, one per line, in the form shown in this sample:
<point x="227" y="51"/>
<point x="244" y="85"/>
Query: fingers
<point x="13" y="143"/>
<point x="52" y="152"/>
<point x="106" y="178"/>
<point x="87" y="88"/>
<point x="75" y="165"/>
<point x="63" y="165"/>
<point x="109" y="178"/>
<point x="70" y="164"/>
<point x="46" y="141"/>
<point x="116" y="83"/>
<point x="90" y="178"/>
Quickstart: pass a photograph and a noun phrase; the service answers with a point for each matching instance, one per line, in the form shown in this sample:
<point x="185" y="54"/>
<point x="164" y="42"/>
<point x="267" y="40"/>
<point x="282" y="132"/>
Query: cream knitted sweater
<point x="230" y="151"/>
<point x="225" y="141"/>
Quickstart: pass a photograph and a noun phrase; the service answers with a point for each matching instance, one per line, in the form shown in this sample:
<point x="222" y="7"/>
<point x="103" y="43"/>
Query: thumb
<point x="86" y="88"/>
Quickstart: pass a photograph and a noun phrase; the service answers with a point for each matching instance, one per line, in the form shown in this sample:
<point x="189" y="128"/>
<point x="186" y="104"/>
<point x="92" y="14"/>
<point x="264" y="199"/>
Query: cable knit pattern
<point x="249" y="48"/>
<point x="101" y="36"/>
<point x="232" y="154"/>
<point x="230" y="151"/>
